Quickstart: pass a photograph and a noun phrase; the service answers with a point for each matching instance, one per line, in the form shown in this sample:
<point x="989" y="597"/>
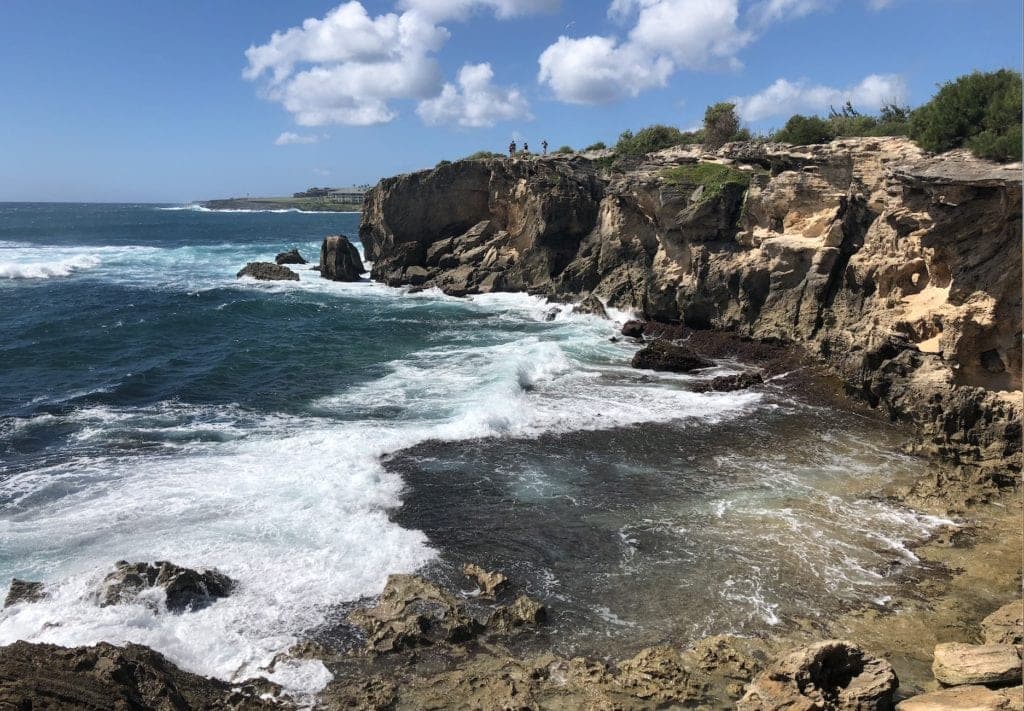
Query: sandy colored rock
<point x="1005" y="625"/>
<point x="965" y="698"/>
<point x="832" y="675"/>
<point x="960" y="664"/>
<point x="491" y="583"/>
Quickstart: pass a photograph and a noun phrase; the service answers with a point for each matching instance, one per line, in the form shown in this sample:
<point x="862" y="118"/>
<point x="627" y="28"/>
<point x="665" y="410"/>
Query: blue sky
<point x="170" y="102"/>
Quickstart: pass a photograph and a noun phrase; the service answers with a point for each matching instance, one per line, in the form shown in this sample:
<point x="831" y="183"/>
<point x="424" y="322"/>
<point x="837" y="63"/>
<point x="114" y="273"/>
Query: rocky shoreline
<point x="878" y="271"/>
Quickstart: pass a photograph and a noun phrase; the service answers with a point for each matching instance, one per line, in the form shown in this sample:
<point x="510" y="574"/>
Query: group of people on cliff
<point x="526" y="148"/>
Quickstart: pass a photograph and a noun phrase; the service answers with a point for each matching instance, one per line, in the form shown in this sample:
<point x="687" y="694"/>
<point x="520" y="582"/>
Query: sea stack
<point x="339" y="260"/>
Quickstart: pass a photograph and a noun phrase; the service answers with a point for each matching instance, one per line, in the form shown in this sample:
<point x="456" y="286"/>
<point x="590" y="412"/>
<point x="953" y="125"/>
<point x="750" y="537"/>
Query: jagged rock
<point x="340" y="260"/>
<point x="728" y="383"/>
<point x="959" y="664"/>
<point x="266" y="271"/>
<point x="24" y="591"/>
<point x="289" y="257"/>
<point x="665" y="356"/>
<point x="965" y="698"/>
<point x="109" y="678"/>
<point x="832" y="675"/>
<point x="1005" y="625"/>
<point x="591" y="306"/>
<point x="185" y="589"/>
<point x="524" y="611"/>
<point x="552" y="313"/>
<point x="633" y="329"/>
<point x="412" y="612"/>
<point x="491" y="583"/>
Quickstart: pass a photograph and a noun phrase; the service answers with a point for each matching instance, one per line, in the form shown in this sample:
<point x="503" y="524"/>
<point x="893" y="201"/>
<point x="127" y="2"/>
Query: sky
<point x="128" y="101"/>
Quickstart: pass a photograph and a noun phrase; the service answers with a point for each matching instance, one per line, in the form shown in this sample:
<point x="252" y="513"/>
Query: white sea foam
<point x="193" y="207"/>
<point x="45" y="270"/>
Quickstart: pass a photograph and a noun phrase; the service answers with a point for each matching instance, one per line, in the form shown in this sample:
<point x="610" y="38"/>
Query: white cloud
<point x="293" y="139"/>
<point x="880" y="4"/>
<point x="784" y="97"/>
<point x="348" y="67"/>
<point x="768" y="11"/>
<point x="598" y="70"/>
<point x="475" y="102"/>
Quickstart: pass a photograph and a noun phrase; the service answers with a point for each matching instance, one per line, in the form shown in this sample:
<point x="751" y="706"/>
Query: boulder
<point x="1005" y="625"/>
<point x="965" y="698"/>
<point x="728" y="383"/>
<point x="185" y="589"/>
<point x="832" y="675"/>
<point x="959" y="664"/>
<point x="105" y="677"/>
<point x="266" y="271"/>
<point x="290" y="257"/>
<point x="491" y="583"/>
<point x="665" y="356"/>
<point x="24" y="591"/>
<point x="633" y="329"/>
<point x="552" y="313"/>
<point x="340" y="260"/>
<point x="590" y="306"/>
<point x="524" y="611"/>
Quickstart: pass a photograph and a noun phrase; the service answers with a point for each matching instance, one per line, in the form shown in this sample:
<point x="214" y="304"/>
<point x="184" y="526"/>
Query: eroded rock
<point x="267" y="271"/>
<point x="633" y="329"/>
<point x="591" y="306"/>
<point x="491" y="583"/>
<point x="729" y="383"/>
<point x="665" y="356"/>
<point x="958" y="664"/>
<point x="523" y="612"/>
<point x="965" y="698"/>
<point x="340" y="260"/>
<point x="832" y="675"/>
<point x="24" y="591"/>
<point x="184" y="588"/>
<point x="1005" y="625"/>
<point x="290" y="257"/>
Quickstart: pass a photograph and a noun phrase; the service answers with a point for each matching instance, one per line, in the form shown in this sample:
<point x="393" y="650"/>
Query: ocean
<point x="309" y="438"/>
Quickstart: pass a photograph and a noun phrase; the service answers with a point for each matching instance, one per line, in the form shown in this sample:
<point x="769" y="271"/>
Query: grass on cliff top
<point x="713" y="176"/>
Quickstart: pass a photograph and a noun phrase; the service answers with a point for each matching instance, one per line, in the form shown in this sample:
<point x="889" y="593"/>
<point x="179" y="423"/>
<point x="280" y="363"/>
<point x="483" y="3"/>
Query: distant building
<point x="347" y="196"/>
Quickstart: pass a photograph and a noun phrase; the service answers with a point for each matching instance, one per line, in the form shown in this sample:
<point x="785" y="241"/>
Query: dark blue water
<point x="311" y="437"/>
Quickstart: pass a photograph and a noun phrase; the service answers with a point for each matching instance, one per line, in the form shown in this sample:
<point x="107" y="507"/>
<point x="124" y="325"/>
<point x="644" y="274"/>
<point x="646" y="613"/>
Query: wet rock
<point x="633" y="329"/>
<point x="491" y="583"/>
<point x="340" y="260"/>
<point x="524" y="611"/>
<point x="1005" y="625"/>
<point x="109" y="678"/>
<point x="24" y="591"/>
<point x="411" y="613"/>
<point x="185" y="589"/>
<point x="728" y="383"/>
<point x="665" y="356"/>
<point x="552" y="313"/>
<point x="828" y="675"/>
<point x="289" y="257"/>
<point x="267" y="271"/>
<point x="959" y="664"/>
<point x="969" y="698"/>
<point x="591" y="306"/>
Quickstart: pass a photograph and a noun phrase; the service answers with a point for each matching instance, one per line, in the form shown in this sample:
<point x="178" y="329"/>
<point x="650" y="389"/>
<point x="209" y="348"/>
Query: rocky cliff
<point x="902" y="271"/>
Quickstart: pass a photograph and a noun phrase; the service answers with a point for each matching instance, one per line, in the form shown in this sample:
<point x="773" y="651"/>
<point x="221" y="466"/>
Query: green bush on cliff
<point x="979" y="111"/>
<point x="713" y="176"/>
<point x="721" y="125"/>
<point x="483" y="155"/>
<point x="599" y="146"/>
<point x="654" y="138"/>
<point x="805" y="130"/>
<point x="564" y="149"/>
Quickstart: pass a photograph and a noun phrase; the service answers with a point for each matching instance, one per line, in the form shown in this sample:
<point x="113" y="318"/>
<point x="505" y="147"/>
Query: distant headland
<point x="346" y="199"/>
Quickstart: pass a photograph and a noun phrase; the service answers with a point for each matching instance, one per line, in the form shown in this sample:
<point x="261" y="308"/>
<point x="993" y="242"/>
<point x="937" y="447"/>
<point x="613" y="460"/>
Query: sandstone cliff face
<point x="903" y="271"/>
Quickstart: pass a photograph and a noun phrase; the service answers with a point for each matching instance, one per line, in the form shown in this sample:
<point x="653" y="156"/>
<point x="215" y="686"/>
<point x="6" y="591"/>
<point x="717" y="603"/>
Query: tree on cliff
<point x="721" y="125"/>
<point x="980" y="111"/>
<point x="805" y="130"/>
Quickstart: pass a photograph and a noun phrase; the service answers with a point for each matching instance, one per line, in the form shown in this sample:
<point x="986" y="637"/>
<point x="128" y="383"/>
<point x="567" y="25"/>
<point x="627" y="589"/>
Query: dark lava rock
<point x="266" y="271"/>
<point x="828" y="675"/>
<point x="633" y="329"/>
<point x="552" y="313"/>
<point x="728" y="383"/>
<point x="109" y="678"/>
<point x="290" y="257"/>
<point x="24" y="591"/>
<point x="186" y="589"/>
<point x="339" y="260"/>
<point x="662" y="355"/>
<point x="591" y="306"/>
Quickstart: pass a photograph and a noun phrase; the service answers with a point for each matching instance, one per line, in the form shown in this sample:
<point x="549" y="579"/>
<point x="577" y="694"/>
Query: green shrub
<point x="713" y="176"/>
<point x="442" y="163"/>
<point x="805" y="130"/>
<point x="981" y="111"/>
<point x="648" y="140"/>
<point x="564" y="149"/>
<point x="599" y="146"/>
<point x="482" y="155"/>
<point x="721" y="125"/>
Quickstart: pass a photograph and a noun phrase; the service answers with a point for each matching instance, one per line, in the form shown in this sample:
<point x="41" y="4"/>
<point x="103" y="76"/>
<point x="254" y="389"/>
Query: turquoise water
<point x="309" y="438"/>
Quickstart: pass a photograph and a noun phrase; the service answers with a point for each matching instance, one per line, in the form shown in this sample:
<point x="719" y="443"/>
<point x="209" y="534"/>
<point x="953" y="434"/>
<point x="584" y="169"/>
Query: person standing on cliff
<point x="544" y="146"/>
<point x="526" y="149"/>
<point x="512" y="149"/>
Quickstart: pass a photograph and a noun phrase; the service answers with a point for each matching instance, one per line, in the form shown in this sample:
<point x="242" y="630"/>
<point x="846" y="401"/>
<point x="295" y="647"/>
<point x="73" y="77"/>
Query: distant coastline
<point x="306" y="204"/>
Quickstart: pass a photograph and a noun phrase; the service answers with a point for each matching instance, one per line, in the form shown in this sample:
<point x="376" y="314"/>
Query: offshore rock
<point x="289" y="257"/>
<point x="185" y="589"/>
<point x="957" y="664"/>
<point x="665" y="356"/>
<point x="729" y="383"/>
<point x="23" y="591"/>
<point x="592" y="306"/>
<point x="832" y="675"/>
<point x="339" y="260"/>
<point x="633" y="329"/>
<point x="1005" y="625"/>
<point x="109" y="678"/>
<point x="267" y="271"/>
<point x="491" y="583"/>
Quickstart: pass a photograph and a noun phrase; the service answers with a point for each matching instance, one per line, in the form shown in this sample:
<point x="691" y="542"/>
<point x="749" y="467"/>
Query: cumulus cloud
<point x="768" y="11"/>
<point x="784" y="97"/>
<point x="598" y="70"/>
<point x="474" y="102"/>
<point x="293" y="139"/>
<point x="348" y="67"/>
